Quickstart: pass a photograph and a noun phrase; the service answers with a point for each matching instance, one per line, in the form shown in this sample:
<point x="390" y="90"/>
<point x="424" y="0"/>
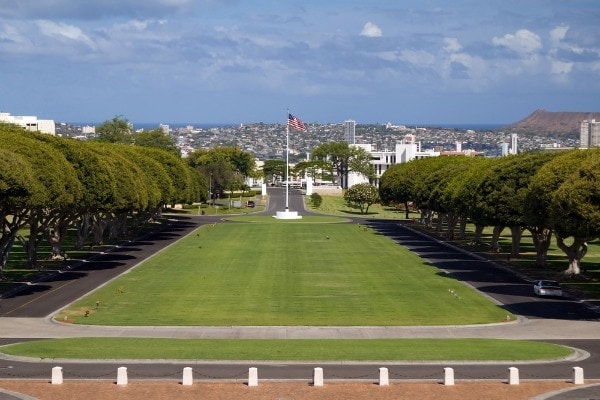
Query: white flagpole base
<point x="287" y="214"/>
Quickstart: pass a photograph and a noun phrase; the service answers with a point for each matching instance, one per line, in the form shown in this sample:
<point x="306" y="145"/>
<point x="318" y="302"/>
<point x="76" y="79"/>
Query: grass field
<point x="289" y="350"/>
<point x="270" y="272"/>
<point x="588" y="285"/>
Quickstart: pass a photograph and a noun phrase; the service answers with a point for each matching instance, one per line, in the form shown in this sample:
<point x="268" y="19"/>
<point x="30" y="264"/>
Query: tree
<point x="501" y="194"/>
<point x="156" y="138"/>
<point x="344" y="159"/>
<point x="363" y="195"/>
<point x="396" y="186"/>
<point x="272" y="169"/>
<point x="117" y="130"/>
<point x="225" y="167"/>
<point x="575" y="209"/>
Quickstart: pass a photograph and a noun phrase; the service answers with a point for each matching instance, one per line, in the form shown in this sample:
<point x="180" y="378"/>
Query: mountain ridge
<point x="552" y="122"/>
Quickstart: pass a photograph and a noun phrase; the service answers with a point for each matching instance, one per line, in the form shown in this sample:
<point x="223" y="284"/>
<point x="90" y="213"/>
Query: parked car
<point x="547" y="288"/>
<point x="250" y="203"/>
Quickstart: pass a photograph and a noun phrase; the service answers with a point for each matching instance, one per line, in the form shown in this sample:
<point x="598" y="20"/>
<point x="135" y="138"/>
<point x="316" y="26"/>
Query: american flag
<point x="296" y="123"/>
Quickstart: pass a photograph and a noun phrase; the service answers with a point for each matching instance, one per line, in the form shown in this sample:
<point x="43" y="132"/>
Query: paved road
<point x="572" y="323"/>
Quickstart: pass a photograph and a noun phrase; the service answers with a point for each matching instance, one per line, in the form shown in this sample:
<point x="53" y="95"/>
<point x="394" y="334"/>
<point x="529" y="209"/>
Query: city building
<point x="407" y="150"/>
<point x="30" y="123"/>
<point x="350" y="131"/>
<point x="513" y="143"/>
<point x="589" y="134"/>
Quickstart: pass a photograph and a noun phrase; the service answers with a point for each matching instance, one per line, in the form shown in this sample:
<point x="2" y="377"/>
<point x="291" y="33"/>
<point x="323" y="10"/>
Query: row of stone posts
<point x="513" y="376"/>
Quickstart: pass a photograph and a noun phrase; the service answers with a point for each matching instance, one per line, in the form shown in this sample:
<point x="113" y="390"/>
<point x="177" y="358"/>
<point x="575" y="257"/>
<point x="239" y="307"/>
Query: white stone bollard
<point x="122" y="376"/>
<point x="188" y="378"/>
<point x="513" y="376"/>
<point x="578" y="375"/>
<point x="384" y="379"/>
<point x="252" y="377"/>
<point x="318" y="377"/>
<point x="448" y="376"/>
<point x="57" y="376"/>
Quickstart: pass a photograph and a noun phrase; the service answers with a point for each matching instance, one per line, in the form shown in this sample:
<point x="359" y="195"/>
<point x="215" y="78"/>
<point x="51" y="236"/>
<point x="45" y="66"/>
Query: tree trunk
<point x="462" y="234"/>
<point x="56" y="236"/>
<point x="575" y="252"/>
<point x="495" y="245"/>
<point x="541" y="241"/>
<point x="439" y="226"/>
<point x="516" y="233"/>
<point x="452" y="220"/>
<point x="83" y="230"/>
<point x="406" y="210"/>
<point x="98" y="229"/>
<point x="477" y="234"/>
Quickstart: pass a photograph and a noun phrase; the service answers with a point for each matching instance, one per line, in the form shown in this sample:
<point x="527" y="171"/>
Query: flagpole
<point x="287" y="159"/>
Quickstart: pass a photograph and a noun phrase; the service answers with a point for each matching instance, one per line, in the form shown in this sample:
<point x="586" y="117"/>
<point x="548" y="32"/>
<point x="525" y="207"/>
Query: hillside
<point x="554" y="123"/>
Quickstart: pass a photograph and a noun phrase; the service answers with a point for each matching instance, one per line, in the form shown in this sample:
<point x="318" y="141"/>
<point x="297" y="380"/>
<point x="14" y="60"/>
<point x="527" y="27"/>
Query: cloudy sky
<point x="242" y="61"/>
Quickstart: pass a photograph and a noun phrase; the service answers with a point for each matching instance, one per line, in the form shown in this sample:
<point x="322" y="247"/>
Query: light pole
<point x="210" y="189"/>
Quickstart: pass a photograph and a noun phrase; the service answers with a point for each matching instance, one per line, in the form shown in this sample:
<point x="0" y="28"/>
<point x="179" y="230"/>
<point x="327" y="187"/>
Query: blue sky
<point x="236" y="61"/>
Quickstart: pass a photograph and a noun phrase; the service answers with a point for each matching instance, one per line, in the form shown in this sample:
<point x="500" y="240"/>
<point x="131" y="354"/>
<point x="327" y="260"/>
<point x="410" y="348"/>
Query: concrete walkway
<point x="541" y="329"/>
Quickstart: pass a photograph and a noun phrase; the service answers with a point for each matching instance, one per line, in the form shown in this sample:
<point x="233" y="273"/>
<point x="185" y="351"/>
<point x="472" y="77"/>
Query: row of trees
<point x="49" y="185"/>
<point x="546" y="193"/>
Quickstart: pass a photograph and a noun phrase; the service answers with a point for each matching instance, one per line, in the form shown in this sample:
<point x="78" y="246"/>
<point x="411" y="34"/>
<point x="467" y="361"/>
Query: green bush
<point x="316" y="200"/>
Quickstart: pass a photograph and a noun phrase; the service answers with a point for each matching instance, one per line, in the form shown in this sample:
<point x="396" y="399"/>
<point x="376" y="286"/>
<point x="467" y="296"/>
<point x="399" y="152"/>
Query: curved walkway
<point x="524" y="329"/>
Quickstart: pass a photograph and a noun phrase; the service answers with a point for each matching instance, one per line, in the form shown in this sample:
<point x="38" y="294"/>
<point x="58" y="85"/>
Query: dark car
<point x="250" y="204"/>
<point x="547" y="288"/>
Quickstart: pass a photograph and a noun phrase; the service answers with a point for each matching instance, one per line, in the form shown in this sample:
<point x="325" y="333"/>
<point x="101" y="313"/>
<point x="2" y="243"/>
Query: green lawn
<point x="272" y="272"/>
<point x="289" y="350"/>
<point x="588" y="285"/>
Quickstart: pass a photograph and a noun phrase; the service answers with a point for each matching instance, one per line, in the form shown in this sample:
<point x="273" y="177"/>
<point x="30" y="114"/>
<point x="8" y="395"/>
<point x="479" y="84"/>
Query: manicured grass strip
<point x="289" y="350"/>
<point x="285" y="274"/>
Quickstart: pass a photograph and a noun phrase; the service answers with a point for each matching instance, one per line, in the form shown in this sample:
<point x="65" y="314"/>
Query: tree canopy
<point x="48" y="184"/>
<point x="541" y="192"/>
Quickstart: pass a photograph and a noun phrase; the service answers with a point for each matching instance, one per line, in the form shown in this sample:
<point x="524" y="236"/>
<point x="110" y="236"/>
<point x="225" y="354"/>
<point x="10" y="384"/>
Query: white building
<point x="30" y="123"/>
<point x="407" y="150"/>
<point x="589" y="134"/>
<point x="350" y="131"/>
<point x="513" y="143"/>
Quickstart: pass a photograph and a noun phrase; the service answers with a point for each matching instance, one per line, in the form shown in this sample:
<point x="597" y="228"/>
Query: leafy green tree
<point x="344" y="159"/>
<point x="437" y="193"/>
<point x="501" y="194"/>
<point x="156" y="138"/>
<point x="60" y="188"/>
<point x="396" y="186"/>
<point x="537" y="213"/>
<point x="363" y="195"/>
<point x="273" y="169"/>
<point x="310" y="168"/>
<point x="460" y="194"/>
<point x="575" y="209"/>
<point x="225" y="167"/>
<point x="117" y="130"/>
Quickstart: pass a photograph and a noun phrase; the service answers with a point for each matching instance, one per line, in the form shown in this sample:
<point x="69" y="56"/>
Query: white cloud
<point x="421" y="58"/>
<point x="522" y="42"/>
<point x="64" y="31"/>
<point x="371" y="30"/>
<point x="452" y="45"/>
<point x="557" y="34"/>
<point x="561" y="67"/>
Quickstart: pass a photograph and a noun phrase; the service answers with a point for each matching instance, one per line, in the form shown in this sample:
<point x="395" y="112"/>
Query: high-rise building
<point x="349" y="131"/>
<point x="513" y="143"/>
<point x="589" y="134"/>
